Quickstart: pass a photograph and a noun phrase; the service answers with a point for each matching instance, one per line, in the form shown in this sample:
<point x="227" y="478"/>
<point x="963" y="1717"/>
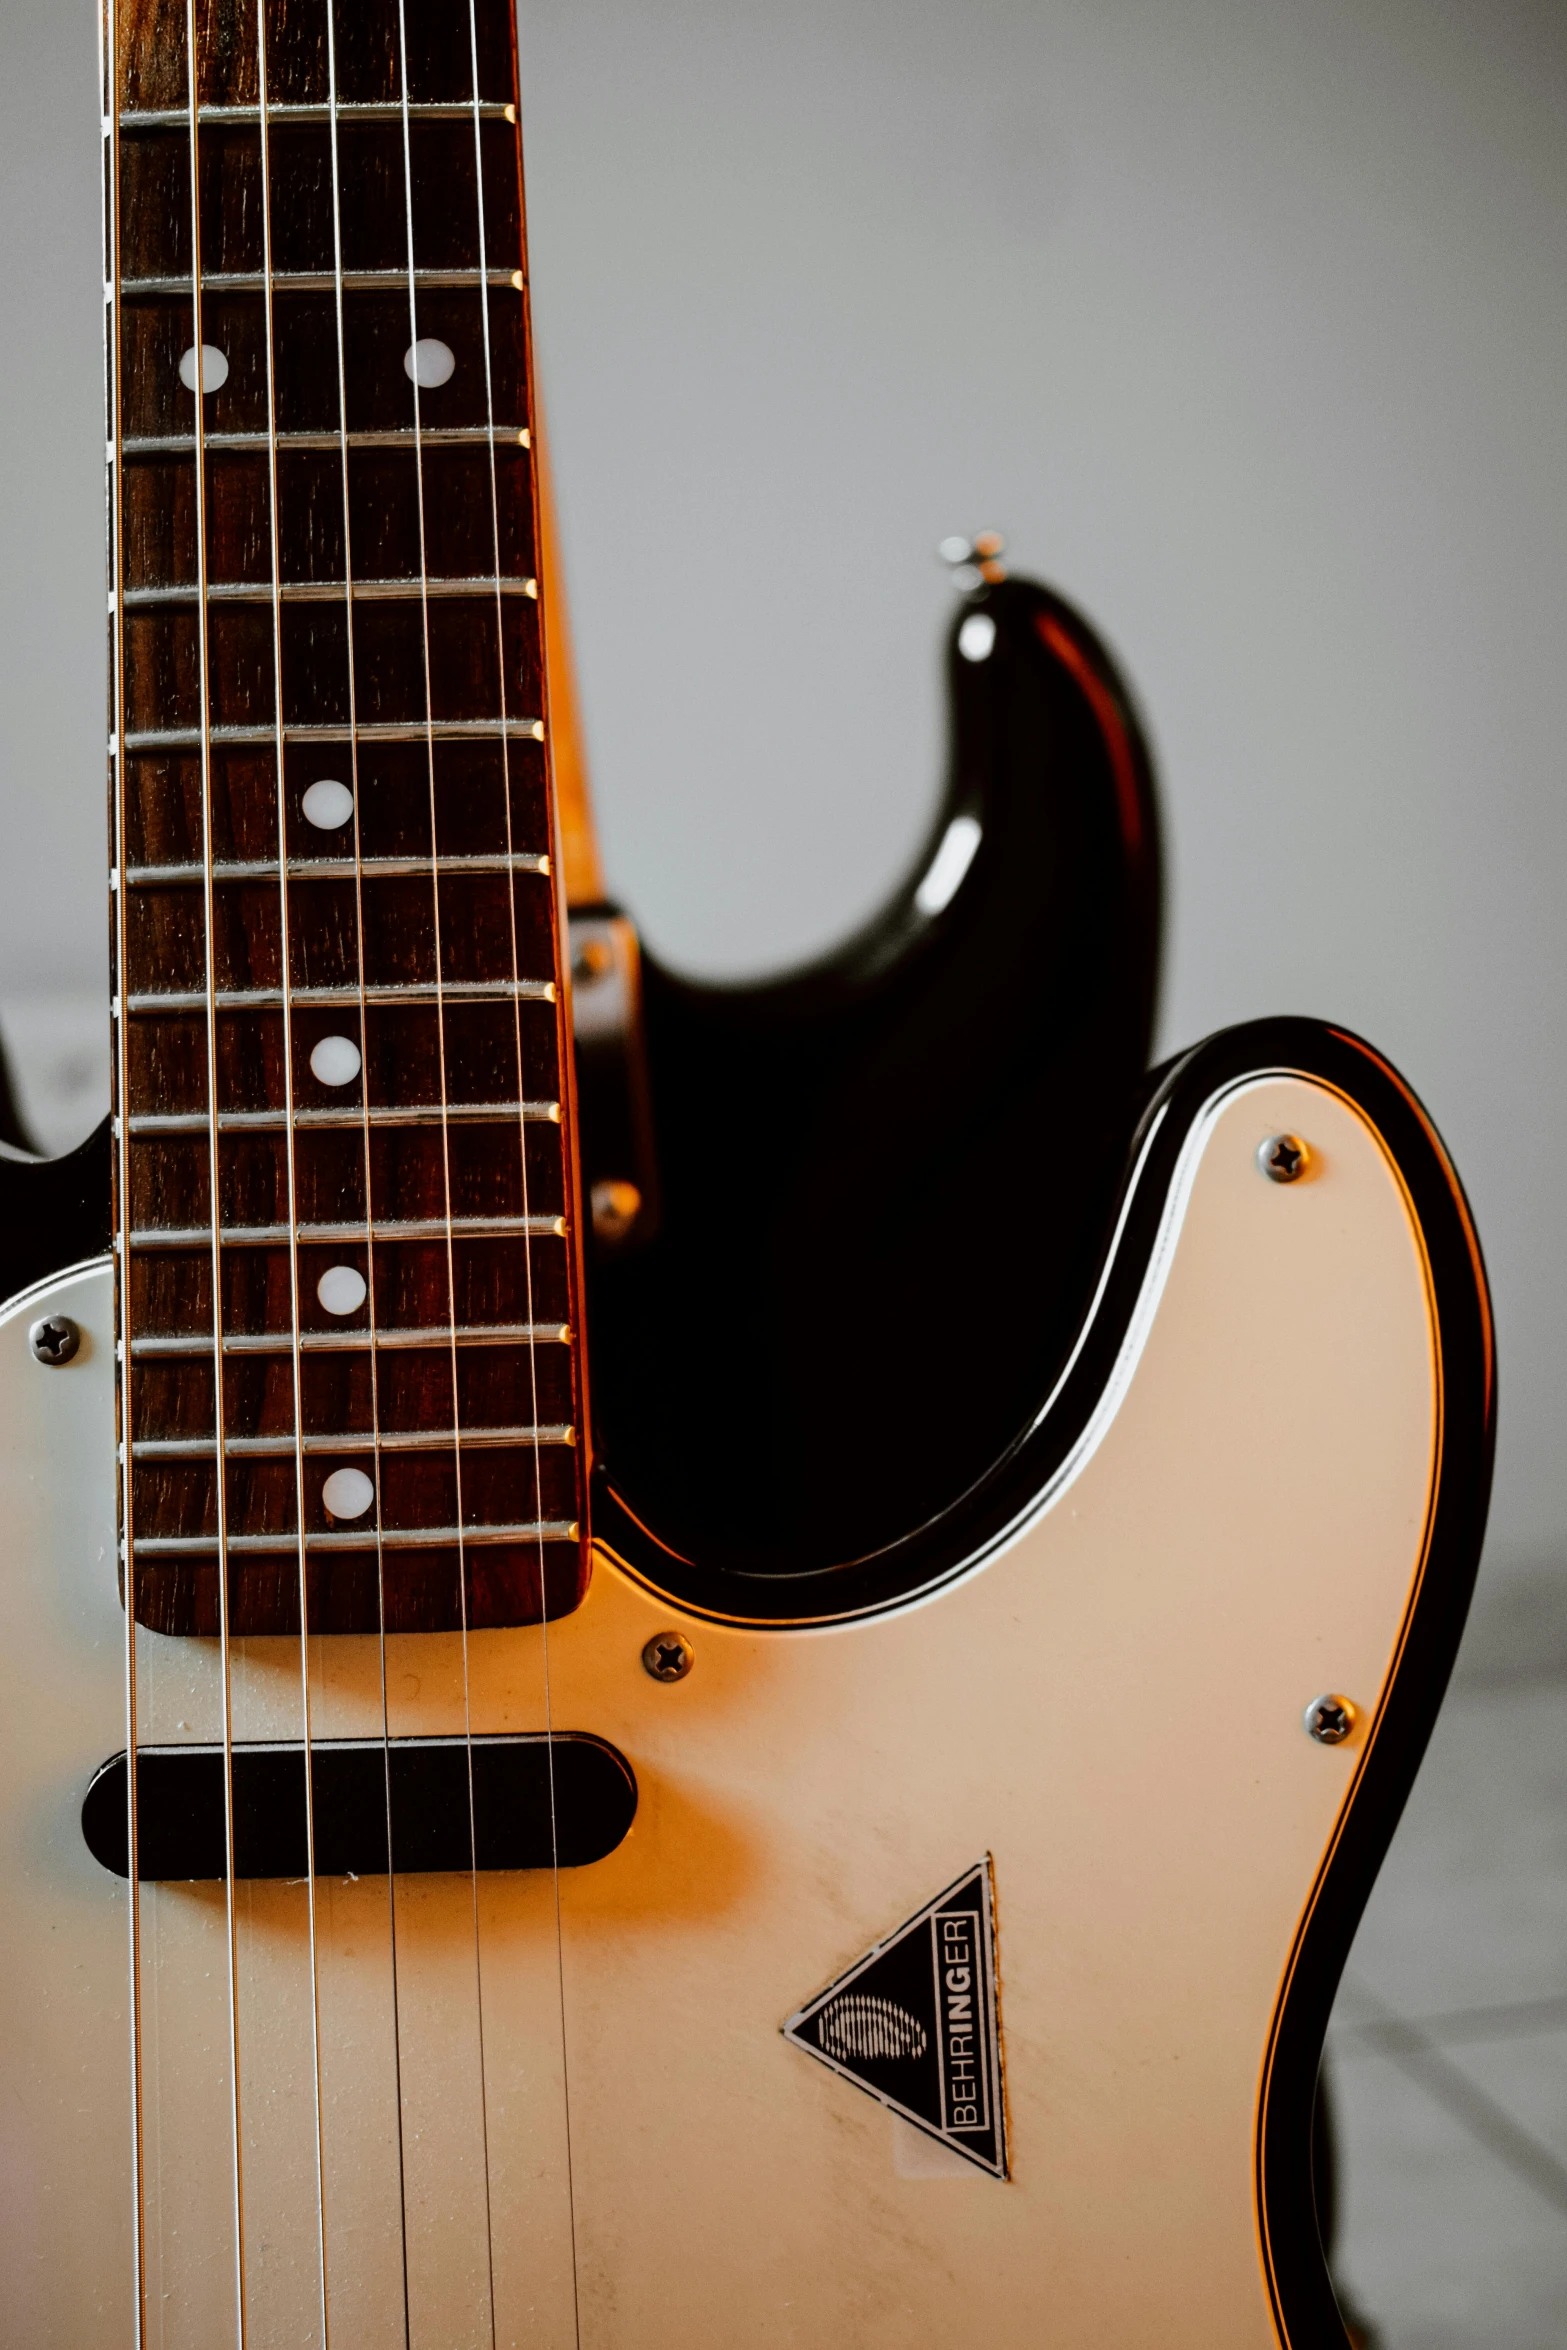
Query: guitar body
<point x="1276" y="1493"/>
<point x="863" y="1166"/>
<point x="800" y="1775"/>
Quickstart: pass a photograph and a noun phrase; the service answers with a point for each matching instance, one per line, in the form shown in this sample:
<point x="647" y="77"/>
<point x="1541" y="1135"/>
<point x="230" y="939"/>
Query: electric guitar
<point x="831" y="1813"/>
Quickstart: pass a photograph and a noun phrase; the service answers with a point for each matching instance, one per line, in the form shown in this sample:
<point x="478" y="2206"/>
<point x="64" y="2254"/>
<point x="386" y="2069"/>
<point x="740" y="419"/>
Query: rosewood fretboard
<point x="344" y="1213"/>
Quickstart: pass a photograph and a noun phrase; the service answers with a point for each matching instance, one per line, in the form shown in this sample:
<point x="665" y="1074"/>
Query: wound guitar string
<point x="226" y="518"/>
<point x="286" y="973"/>
<point x="446" y="1157"/>
<point x="214" y="1209"/>
<point x="109" y="81"/>
<point x="563" y="1047"/>
<point x="366" y="1156"/>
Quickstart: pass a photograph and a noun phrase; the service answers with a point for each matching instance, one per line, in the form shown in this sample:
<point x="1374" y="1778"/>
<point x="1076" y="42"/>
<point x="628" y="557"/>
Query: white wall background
<point x="1246" y="322"/>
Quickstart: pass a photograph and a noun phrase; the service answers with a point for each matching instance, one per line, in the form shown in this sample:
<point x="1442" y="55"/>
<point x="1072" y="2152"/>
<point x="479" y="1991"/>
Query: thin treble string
<point x="285" y="946"/>
<point x="198" y="395"/>
<point x="364" y="1104"/>
<point x="446" y="1153"/>
<point x="522" y="1127"/>
<point x="109" y="75"/>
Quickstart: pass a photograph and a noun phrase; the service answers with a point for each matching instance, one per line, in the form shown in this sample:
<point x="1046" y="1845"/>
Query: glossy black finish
<point x="14" y="1134"/>
<point x="54" y="1212"/>
<point x="1293" y="2229"/>
<point x="522" y="1808"/>
<point x="867" y="1165"/>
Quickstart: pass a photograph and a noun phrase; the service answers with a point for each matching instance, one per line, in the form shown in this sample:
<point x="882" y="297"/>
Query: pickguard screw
<point x="1283" y="1158"/>
<point x="1329" y="1720"/>
<point x="668" y="1656"/>
<point x="54" y="1340"/>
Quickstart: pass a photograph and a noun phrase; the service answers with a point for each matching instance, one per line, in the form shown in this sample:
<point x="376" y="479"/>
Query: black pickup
<point x="442" y="1803"/>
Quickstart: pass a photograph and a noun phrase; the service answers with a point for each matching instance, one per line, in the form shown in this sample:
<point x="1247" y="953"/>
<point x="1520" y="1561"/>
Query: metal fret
<point x="370" y="1538"/>
<point x="261" y="1121"/>
<point x="272" y="1342"/>
<point x="446" y="436"/>
<point x="177" y="118"/>
<point x="338" y="869"/>
<point x="250" y="999"/>
<point x="188" y="738"/>
<point x="508" y="928"/>
<point x="328" y="591"/>
<point x="315" y="281"/>
<point x="384" y="1228"/>
<point x="412" y="991"/>
<point x="179" y="1448"/>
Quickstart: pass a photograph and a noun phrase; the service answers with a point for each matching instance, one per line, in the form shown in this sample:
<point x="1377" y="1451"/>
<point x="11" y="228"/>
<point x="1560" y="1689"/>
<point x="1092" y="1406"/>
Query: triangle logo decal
<point x="914" y="2023"/>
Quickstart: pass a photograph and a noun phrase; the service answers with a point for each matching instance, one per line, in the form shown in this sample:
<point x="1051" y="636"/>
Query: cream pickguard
<point x="1110" y="1706"/>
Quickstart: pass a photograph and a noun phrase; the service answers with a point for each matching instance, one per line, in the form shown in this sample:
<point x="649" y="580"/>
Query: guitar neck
<point x="345" y="1220"/>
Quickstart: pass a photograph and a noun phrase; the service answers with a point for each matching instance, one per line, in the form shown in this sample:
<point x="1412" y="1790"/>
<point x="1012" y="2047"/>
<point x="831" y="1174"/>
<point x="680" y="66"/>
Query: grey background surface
<point x="1248" y="325"/>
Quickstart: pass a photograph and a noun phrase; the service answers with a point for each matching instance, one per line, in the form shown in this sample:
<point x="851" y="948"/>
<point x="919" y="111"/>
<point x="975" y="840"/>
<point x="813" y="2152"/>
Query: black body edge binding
<point x="1304" y="2305"/>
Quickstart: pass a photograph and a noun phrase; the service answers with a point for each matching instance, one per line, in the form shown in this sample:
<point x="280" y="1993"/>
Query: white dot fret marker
<point x="977" y="637"/>
<point x="335" y="1060"/>
<point x="341" y="1290"/>
<point x="428" y="363"/>
<point x="327" y="804"/>
<point x="214" y="369"/>
<point x="347" y="1493"/>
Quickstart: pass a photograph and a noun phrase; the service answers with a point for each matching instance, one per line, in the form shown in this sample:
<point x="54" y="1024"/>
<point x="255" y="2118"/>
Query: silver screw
<point x="54" y="1340"/>
<point x="668" y="1656"/>
<point x="1329" y="1720"/>
<point x="1283" y="1158"/>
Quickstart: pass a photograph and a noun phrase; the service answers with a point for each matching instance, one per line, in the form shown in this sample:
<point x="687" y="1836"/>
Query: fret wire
<point x="207" y="737"/>
<point x="342" y="869"/>
<point x="371" y="1538"/>
<point x="383" y="1228"/>
<point x="270" y="1342"/>
<point x="475" y="436"/>
<point x="190" y="738"/>
<point x="175" y="1448"/>
<point x="177" y="118"/>
<point x="309" y="281"/>
<point x="263" y="1121"/>
<point x="324" y="591"/>
<point x="413" y="991"/>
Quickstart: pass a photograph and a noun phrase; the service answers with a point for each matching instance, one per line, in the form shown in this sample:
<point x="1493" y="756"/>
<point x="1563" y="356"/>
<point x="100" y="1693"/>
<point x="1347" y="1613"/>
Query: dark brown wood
<point x="423" y="929"/>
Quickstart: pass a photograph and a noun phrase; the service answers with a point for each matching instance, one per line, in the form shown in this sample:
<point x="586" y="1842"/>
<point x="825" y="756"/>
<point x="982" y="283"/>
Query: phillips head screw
<point x="1283" y="1158"/>
<point x="1329" y="1720"/>
<point x="54" y="1340"/>
<point x="668" y="1656"/>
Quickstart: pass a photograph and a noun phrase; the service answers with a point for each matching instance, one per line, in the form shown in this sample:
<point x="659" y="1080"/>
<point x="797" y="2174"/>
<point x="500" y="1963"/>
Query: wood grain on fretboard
<point x="397" y="622"/>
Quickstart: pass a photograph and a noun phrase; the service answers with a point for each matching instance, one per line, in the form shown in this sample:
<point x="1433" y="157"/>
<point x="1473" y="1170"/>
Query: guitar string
<point x="285" y="955"/>
<point x="367" y="1162"/>
<point x="446" y="1154"/>
<point x="562" y="1039"/>
<point x="109" y="82"/>
<point x="204" y="687"/>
